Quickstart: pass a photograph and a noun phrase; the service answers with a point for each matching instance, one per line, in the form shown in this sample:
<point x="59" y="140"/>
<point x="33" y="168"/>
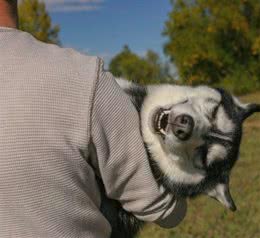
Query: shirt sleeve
<point x="121" y="160"/>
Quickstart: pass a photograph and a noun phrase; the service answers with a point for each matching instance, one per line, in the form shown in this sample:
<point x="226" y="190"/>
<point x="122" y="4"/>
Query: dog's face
<point x="194" y="136"/>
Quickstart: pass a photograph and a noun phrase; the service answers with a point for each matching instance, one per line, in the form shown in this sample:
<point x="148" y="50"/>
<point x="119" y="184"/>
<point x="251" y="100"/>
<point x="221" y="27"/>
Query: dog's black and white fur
<point x="192" y="135"/>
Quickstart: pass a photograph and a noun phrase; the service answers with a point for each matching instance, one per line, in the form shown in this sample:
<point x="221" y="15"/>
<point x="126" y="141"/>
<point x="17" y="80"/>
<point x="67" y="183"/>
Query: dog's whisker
<point x="175" y="124"/>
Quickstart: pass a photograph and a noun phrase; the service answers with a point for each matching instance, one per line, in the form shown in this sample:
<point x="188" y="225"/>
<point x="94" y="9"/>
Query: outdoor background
<point x="189" y="42"/>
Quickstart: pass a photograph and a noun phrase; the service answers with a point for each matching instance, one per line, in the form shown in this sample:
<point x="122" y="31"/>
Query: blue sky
<point x="103" y="27"/>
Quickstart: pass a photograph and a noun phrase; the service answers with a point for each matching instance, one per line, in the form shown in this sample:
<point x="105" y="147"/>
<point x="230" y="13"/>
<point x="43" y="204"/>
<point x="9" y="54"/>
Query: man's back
<point x="54" y="104"/>
<point x="45" y="102"/>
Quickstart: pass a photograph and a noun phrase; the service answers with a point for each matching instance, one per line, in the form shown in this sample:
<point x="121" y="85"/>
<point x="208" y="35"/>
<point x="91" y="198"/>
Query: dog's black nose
<point x="182" y="126"/>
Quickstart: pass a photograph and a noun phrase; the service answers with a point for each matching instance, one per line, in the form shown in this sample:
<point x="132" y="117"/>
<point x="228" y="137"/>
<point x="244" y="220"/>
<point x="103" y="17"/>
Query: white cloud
<point x="73" y="5"/>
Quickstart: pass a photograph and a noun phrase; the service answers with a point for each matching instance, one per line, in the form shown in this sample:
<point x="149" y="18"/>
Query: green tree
<point x="34" y="18"/>
<point x="215" y="42"/>
<point x="142" y="70"/>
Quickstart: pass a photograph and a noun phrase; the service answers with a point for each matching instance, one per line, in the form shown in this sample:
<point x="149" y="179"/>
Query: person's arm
<point x="122" y="160"/>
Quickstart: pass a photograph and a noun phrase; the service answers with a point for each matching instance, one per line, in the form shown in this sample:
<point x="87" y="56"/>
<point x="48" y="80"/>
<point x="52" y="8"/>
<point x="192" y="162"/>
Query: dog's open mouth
<point x="160" y="120"/>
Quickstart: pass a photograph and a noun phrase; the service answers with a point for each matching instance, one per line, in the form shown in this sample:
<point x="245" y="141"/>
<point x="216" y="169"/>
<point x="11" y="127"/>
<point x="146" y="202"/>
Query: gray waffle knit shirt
<point x="53" y="103"/>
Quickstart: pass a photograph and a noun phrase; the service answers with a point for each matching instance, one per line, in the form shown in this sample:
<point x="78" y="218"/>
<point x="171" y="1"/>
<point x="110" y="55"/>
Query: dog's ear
<point x="246" y="110"/>
<point x="222" y="194"/>
<point x="249" y="109"/>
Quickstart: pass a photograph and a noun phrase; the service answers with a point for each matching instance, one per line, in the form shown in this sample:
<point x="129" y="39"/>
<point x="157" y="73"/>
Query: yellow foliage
<point x="240" y="25"/>
<point x="193" y="79"/>
<point x="211" y="29"/>
<point x="34" y="18"/>
<point x="256" y="46"/>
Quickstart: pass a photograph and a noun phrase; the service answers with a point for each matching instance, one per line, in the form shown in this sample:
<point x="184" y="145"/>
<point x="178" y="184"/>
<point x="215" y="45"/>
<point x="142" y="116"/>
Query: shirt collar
<point x="5" y="29"/>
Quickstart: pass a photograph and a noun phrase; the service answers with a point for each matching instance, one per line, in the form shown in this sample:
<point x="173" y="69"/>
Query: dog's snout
<point x="182" y="126"/>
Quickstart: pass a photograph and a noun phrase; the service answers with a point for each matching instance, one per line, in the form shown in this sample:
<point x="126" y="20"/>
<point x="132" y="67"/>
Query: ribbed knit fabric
<point x="53" y="102"/>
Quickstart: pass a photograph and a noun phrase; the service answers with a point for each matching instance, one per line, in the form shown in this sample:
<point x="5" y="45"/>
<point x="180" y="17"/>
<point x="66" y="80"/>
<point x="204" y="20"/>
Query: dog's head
<point x="194" y="135"/>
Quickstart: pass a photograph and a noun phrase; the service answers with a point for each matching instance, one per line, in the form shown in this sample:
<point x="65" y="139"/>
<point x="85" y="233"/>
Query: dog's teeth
<point x="161" y="116"/>
<point x="163" y="132"/>
<point x="159" y="120"/>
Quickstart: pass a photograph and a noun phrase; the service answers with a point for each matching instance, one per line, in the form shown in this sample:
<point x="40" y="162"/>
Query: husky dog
<point x="192" y="136"/>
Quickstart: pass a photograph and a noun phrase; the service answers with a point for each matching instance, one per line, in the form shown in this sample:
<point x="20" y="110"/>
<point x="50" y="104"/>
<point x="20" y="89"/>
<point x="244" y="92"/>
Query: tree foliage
<point x="34" y="18"/>
<point x="142" y="70"/>
<point x="215" y="42"/>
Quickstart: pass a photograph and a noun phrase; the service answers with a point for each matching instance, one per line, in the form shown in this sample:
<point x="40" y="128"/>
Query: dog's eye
<point x="213" y="112"/>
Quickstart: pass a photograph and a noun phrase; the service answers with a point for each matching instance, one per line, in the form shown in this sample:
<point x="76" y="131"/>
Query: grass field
<point x="206" y="218"/>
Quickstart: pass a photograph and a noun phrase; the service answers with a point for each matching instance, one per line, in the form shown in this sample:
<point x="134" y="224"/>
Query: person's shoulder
<point x="54" y="52"/>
